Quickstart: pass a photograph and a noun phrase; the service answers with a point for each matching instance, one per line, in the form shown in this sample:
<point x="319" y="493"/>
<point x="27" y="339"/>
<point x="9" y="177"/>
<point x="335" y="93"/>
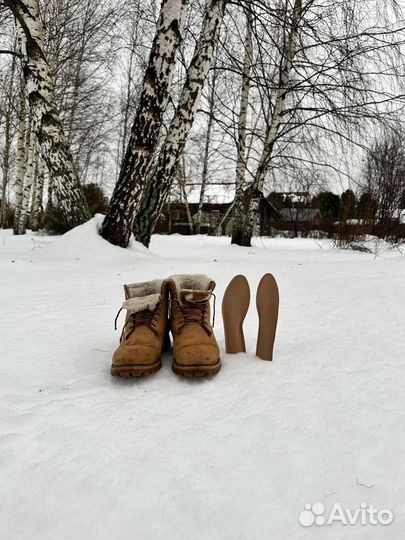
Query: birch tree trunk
<point x="37" y="194"/>
<point x="206" y="154"/>
<point x="182" y="183"/>
<point x="19" y="184"/>
<point x="7" y="143"/>
<point x="286" y="65"/>
<point x="220" y="225"/>
<point x="46" y="122"/>
<point x="188" y="212"/>
<point x="117" y="225"/>
<point x="28" y="180"/>
<point x="127" y="106"/>
<point x="49" y="195"/>
<point x="125" y="124"/>
<point x="238" y="215"/>
<point x="161" y="179"/>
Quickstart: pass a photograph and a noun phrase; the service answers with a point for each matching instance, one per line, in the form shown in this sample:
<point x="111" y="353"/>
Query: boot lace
<point x="145" y="317"/>
<point x="195" y="312"/>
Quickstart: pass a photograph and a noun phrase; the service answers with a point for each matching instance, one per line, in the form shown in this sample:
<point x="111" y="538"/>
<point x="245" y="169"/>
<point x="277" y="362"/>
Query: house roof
<point x="219" y="194"/>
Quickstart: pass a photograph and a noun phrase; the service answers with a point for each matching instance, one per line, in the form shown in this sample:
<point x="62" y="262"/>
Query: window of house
<point x="176" y="216"/>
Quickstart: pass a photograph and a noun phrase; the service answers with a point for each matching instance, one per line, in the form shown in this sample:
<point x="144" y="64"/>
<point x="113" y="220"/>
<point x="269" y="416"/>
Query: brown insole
<point x="234" y="308"/>
<point x="267" y="302"/>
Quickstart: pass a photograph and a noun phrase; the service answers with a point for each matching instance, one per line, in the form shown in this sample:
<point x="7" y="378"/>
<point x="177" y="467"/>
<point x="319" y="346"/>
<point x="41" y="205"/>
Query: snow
<point x="238" y="456"/>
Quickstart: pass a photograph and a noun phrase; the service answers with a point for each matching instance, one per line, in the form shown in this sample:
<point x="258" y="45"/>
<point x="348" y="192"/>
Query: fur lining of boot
<point x="142" y="302"/>
<point x="143" y="296"/>
<point x="196" y="286"/>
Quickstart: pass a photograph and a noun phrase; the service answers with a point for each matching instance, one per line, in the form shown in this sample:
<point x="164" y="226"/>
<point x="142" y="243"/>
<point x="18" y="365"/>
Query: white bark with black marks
<point x="8" y="112"/>
<point x="161" y="180"/>
<point x="49" y="195"/>
<point x="182" y="180"/>
<point x="204" y="176"/>
<point x="286" y="66"/>
<point x="30" y="171"/>
<point x="21" y="149"/>
<point x="37" y="195"/>
<point x="46" y="122"/>
<point x="117" y="225"/>
<point x="238" y="205"/>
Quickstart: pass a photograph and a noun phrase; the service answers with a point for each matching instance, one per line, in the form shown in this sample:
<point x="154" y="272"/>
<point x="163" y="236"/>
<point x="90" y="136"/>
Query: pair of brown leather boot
<point x="180" y="305"/>
<point x="235" y="306"/>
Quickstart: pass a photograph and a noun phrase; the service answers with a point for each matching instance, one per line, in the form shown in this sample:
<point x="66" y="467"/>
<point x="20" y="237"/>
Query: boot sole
<point x="197" y="370"/>
<point x="132" y="370"/>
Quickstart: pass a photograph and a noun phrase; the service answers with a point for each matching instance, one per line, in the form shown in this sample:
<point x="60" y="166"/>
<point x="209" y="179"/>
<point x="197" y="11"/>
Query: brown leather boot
<point x="145" y="332"/>
<point x="195" y="350"/>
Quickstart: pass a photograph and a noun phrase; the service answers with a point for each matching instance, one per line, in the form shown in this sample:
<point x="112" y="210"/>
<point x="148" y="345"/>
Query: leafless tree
<point x="9" y="90"/>
<point x="46" y="123"/>
<point x="37" y="193"/>
<point x="117" y="225"/>
<point x="238" y="206"/>
<point x="384" y="177"/>
<point x="204" y="176"/>
<point x="161" y="178"/>
<point x="21" y="155"/>
<point x="82" y="45"/>
<point x="317" y="84"/>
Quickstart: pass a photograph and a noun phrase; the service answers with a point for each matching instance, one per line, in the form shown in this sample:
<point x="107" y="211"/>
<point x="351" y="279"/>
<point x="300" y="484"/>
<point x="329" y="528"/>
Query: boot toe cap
<point x="197" y="355"/>
<point x="135" y="355"/>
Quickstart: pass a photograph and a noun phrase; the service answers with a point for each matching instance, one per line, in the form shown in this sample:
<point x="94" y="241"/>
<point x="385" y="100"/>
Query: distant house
<point x="301" y="215"/>
<point x="217" y="217"/>
<point x="174" y="218"/>
<point x="177" y="217"/>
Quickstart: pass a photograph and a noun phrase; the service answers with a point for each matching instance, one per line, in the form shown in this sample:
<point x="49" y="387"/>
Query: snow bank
<point x="84" y="243"/>
<point x="378" y="246"/>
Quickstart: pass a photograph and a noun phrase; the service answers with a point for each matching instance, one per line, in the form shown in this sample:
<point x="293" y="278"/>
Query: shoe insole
<point x="267" y="302"/>
<point x="234" y="308"/>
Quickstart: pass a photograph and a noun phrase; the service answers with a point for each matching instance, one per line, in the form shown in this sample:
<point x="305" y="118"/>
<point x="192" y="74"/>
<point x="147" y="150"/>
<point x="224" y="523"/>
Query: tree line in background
<point x="153" y="101"/>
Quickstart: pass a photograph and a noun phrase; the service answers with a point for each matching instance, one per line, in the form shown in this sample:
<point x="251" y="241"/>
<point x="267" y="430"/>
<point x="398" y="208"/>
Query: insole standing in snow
<point x="235" y="305"/>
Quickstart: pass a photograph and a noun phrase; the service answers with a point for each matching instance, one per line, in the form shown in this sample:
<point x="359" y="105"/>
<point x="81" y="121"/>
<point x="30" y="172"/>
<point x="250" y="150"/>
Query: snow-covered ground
<point x="238" y="456"/>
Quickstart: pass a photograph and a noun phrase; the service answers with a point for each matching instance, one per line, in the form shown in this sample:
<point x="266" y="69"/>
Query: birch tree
<point x="84" y="45"/>
<point x="46" y="122"/>
<point x="37" y="194"/>
<point x="244" y="231"/>
<point x="9" y="107"/>
<point x="325" y="73"/>
<point x="21" y="153"/>
<point x="182" y="181"/>
<point x="134" y="63"/>
<point x="31" y="144"/>
<point x="117" y="225"/>
<point x="161" y="178"/>
<point x="204" y="177"/>
<point x="238" y="205"/>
